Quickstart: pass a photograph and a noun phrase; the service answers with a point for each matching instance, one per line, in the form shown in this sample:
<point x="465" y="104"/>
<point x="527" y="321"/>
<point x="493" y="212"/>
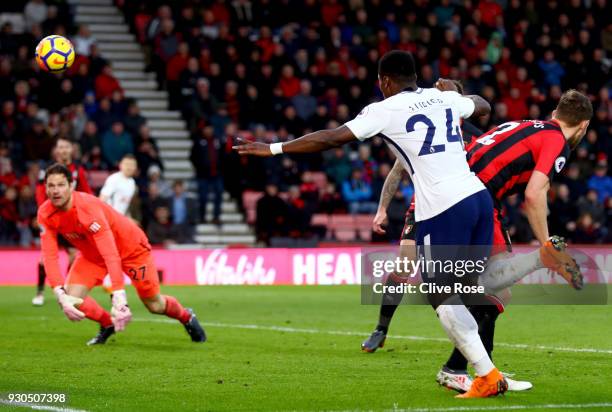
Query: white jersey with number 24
<point x="423" y="129"/>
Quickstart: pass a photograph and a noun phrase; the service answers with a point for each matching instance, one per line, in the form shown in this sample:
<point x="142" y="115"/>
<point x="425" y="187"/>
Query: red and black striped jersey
<point x="505" y="157"/>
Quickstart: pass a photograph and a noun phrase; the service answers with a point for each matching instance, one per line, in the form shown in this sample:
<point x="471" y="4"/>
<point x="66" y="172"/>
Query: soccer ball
<point x="55" y="54"/>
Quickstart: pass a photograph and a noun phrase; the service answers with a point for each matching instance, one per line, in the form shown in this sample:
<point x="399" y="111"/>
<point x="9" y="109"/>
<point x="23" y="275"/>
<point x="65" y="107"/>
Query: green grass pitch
<point x="293" y="349"/>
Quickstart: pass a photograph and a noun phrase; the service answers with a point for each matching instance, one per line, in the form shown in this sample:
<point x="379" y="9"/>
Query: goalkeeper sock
<point x="95" y="312"/>
<point x="40" y="287"/>
<point x="175" y="310"/>
<point x="390" y="302"/>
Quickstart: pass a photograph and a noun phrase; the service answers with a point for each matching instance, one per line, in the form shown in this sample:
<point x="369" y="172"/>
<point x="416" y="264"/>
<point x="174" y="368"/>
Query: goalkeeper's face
<point x="59" y="190"/>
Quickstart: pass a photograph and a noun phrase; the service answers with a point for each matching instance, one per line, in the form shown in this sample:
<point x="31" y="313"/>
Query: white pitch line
<point x="506" y="408"/>
<point x="362" y="334"/>
<point x="406" y="337"/>
<point x="38" y="407"/>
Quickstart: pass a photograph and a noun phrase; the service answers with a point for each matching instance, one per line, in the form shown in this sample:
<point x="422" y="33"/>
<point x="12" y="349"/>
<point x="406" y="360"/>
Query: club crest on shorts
<point x="94" y="227"/>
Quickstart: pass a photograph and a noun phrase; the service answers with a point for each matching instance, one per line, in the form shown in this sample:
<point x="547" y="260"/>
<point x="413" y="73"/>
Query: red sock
<point x="175" y="310"/>
<point x="95" y="312"/>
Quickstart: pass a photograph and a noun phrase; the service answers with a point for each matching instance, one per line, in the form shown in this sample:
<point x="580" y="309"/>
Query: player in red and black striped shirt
<point x="520" y="157"/>
<point x="514" y="157"/>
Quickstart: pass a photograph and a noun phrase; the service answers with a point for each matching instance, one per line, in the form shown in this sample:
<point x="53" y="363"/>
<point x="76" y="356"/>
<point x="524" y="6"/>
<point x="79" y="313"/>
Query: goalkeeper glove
<point x="69" y="304"/>
<point x="120" y="312"/>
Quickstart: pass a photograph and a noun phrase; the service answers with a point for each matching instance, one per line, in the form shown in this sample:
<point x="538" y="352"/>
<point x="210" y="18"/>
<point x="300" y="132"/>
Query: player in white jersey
<point x="422" y="127"/>
<point x="120" y="187"/>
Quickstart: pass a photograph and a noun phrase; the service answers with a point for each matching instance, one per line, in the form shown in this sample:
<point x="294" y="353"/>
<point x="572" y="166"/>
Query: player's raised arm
<point x="471" y="105"/>
<point x="313" y="142"/>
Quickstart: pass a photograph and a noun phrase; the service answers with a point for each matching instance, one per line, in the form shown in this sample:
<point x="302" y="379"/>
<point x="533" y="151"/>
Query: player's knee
<point x="157" y="306"/>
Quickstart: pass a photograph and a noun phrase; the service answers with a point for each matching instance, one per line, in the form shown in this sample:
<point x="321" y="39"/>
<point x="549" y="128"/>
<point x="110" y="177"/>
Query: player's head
<point x="573" y="112"/>
<point x="396" y="71"/>
<point x="63" y="150"/>
<point x="128" y="165"/>
<point x="58" y="185"/>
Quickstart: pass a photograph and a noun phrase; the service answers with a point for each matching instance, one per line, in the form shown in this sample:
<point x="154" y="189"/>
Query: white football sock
<point x="462" y="330"/>
<point x="504" y="272"/>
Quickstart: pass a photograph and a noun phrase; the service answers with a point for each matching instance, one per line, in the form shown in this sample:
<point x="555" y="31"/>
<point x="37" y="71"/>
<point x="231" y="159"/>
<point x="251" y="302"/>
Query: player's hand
<point x="252" y="148"/>
<point x="379" y="220"/>
<point x="69" y="304"/>
<point x="120" y="313"/>
<point x="446" y="85"/>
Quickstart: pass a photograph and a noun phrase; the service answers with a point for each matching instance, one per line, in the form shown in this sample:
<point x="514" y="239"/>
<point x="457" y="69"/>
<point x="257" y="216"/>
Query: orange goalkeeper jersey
<point x="102" y="235"/>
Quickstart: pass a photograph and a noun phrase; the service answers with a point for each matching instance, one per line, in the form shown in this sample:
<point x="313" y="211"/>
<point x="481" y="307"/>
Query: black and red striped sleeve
<point x="551" y="152"/>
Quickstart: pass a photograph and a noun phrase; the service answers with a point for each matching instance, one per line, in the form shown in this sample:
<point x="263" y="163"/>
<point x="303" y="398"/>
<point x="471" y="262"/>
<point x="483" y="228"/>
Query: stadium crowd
<point x="276" y="69"/>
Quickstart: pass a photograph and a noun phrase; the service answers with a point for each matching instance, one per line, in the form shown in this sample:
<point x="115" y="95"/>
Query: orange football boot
<point x="492" y="384"/>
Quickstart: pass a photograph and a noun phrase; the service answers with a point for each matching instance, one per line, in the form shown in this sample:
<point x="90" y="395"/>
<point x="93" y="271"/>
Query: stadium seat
<point x="343" y="227"/>
<point x="320" y="219"/>
<point x="346" y="235"/>
<point x="97" y="178"/>
<point x="364" y="221"/>
<point x="250" y="198"/>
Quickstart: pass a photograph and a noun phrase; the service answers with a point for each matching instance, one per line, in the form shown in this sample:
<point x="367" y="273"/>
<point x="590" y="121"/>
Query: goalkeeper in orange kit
<point x="108" y="242"/>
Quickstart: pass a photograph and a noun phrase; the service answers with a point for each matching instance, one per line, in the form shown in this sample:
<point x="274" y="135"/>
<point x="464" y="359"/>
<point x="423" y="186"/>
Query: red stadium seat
<point x="320" y="219"/>
<point x="250" y="198"/>
<point x="365" y="234"/>
<point x="364" y="222"/>
<point x="346" y="235"/>
<point x="343" y="227"/>
<point x="97" y="178"/>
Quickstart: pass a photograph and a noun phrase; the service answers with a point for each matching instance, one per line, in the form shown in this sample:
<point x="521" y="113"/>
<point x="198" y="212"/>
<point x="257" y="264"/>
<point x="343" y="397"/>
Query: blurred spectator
<point x="305" y="104"/>
<point x="133" y="121"/>
<point x="161" y="231"/>
<point x="9" y="217"/>
<point x="207" y="159"/>
<point x="562" y="213"/>
<point x="601" y="182"/>
<point x="35" y="12"/>
<point x="104" y="117"/>
<point x="587" y="230"/>
<point x="590" y="205"/>
<point x="272" y="215"/>
<point x="184" y="211"/>
<point x="83" y="41"/>
<point x="27" y="209"/>
<point x="357" y="193"/>
<point x="38" y="143"/>
<point x="331" y="201"/>
<point x="338" y="166"/>
<point x="147" y="153"/>
<point x="203" y="104"/>
<point x="154" y="174"/>
<point x="116" y="143"/>
<point x="106" y="83"/>
<point x="379" y="180"/>
<point x="298" y="215"/>
<point x="88" y="140"/>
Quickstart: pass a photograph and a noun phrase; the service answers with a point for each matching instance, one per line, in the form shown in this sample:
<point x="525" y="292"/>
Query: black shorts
<point x="410" y="226"/>
<point x="63" y="242"/>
